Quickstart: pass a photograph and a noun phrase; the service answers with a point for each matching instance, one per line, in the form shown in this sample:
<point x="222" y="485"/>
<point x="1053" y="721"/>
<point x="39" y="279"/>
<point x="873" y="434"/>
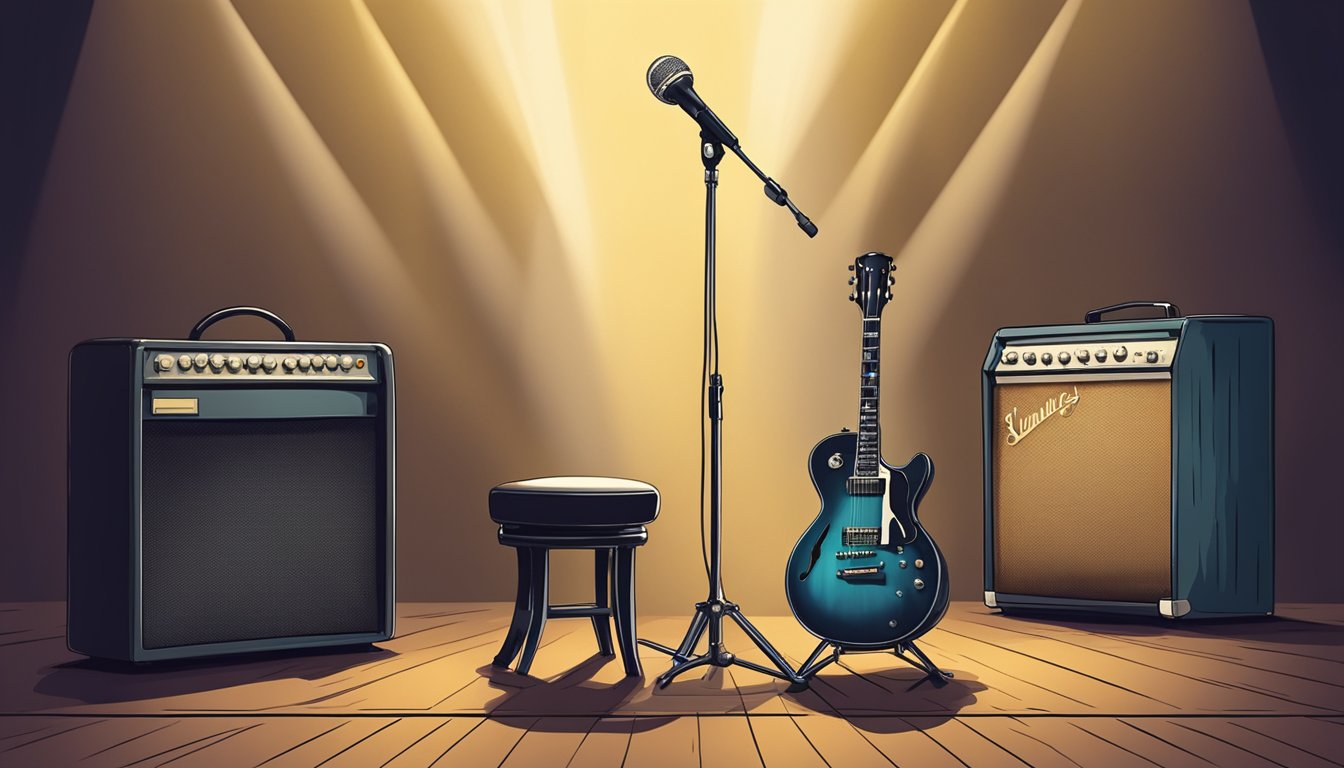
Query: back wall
<point x="489" y="188"/>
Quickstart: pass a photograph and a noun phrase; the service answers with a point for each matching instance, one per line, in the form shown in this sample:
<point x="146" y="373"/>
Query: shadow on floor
<point x="95" y="681"/>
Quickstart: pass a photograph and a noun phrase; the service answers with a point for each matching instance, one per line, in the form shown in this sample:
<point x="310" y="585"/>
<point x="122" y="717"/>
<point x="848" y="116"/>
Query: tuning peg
<point x="851" y="280"/>
<point x="851" y="267"/>
<point x="891" y="281"/>
<point x="853" y="297"/>
<point x="888" y="295"/>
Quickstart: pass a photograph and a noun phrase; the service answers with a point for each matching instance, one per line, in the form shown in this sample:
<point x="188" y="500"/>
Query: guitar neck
<point x="870" y="443"/>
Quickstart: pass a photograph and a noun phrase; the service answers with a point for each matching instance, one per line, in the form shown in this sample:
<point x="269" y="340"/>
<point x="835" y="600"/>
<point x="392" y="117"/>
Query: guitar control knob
<point x="1152" y="357"/>
<point x="163" y="363"/>
<point x="217" y="361"/>
<point x="290" y="364"/>
<point x="919" y="583"/>
<point x="235" y="364"/>
<point x="1100" y="355"/>
<point x="1120" y="354"/>
<point x="1010" y="358"/>
<point x="1046" y="358"/>
<point x="1082" y="355"/>
<point x="268" y="363"/>
<point x="1064" y="358"/>
<point x="253" y="362"/>
<point x="184" y="362"/>
<point x="1029" y="358"/>
<point x="919" y="563"/>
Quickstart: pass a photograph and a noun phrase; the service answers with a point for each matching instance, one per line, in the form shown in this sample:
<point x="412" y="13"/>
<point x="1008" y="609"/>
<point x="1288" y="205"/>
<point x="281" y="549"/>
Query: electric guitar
<point x="865" y="574"/>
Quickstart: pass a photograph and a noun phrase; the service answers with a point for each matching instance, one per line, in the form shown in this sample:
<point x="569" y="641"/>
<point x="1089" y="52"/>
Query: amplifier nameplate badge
<point x="1020" y="427"/>
<point x="178" y="406"/>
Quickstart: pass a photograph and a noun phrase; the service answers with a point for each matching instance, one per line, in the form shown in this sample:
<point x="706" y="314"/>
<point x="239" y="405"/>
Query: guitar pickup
<point x="860" y="536"/>
<point x="864" y="572"/>
<point x="850" y="554"/>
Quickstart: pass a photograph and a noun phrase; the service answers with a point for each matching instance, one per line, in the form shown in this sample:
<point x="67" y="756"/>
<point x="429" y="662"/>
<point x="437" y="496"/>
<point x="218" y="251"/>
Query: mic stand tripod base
<point x="709" y="615"/>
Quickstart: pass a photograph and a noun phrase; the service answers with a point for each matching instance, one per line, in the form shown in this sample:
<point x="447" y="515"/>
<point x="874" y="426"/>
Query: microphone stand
<point x="710" y="613"/>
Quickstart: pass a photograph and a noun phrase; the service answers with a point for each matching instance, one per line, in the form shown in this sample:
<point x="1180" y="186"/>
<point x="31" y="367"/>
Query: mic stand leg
<point x="709" y="614"/>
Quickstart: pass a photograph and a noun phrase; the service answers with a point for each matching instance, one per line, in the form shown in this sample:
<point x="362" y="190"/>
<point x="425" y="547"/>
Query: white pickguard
<point x="888" y="517"/>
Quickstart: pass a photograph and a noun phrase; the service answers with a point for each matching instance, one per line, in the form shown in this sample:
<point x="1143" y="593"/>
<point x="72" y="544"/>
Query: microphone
<point x="671" y="81"/>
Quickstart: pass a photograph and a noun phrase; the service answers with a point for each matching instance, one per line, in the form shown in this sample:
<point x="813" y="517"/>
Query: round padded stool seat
<point x="574" y="501"/>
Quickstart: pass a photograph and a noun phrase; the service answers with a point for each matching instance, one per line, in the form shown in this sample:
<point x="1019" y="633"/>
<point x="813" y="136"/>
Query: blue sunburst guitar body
<point x="865" y="574"/>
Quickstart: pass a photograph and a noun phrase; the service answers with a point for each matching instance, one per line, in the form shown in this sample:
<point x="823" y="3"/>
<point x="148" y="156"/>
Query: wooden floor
<point x="1027" y="691"/>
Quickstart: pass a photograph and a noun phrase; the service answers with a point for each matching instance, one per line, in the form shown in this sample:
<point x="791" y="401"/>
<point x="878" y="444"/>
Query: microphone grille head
<point x="664" y="71"/>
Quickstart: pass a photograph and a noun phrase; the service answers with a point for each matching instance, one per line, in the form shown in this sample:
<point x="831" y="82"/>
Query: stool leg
<point x="623" y="610"/>
<point x="522" y="612"/>
<point x="601" y="582"/>
<point x="538" y="601"/>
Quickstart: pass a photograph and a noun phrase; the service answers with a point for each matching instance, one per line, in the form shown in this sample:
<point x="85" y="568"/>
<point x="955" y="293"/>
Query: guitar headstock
<point x="872" y="281"/>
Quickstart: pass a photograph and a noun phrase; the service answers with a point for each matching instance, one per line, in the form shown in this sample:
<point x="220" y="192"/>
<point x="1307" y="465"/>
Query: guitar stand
<point x="815" y="663"/>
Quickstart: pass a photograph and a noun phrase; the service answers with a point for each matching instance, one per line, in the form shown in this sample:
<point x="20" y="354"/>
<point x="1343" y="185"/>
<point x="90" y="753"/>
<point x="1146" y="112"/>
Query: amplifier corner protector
<point x="1173" y="609"/>
<point x="991" y="600"/>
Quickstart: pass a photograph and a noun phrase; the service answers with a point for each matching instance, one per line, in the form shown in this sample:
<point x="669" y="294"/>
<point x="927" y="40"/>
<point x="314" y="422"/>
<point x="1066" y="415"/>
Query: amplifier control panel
<point x="165" y="365"/>
<point x="1111" y="355"/>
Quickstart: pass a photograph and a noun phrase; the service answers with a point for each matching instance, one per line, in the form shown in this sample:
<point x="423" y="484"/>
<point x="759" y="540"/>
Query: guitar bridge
<point x="860" y="536"/>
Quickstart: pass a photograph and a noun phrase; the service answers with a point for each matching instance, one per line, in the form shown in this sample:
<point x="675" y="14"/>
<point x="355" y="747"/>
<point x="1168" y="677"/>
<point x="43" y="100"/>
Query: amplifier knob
<point x="268" y="363"/>
<point x="1120" y="354"/>
<point x="1152" y="357"/>
<point x="163" y="363"/>
<point x="317" y="362"/>
<point x="253" y="362"/>
<point x="1029" y="358"/>
<point x="1101" y="355"/>
<point x="216" y="361"/>
<point x="235" y="364"/>
<point x="1064" y="358"/>
<point x="1082" y="355"/>
<point x="1010" y="358"/>
<point x="305" y="362"/>
<point x="201" y="360"/>
<point x="331" y="362"/>
<point x="347" y="362"/>
<point x="290" y="364"/>
<point x="1046" y="358"/>
<point x="184" y="362"/>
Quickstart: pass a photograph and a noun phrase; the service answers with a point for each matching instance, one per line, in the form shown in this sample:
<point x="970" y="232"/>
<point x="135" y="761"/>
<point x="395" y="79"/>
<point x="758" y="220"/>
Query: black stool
<point x="598" y="513"/>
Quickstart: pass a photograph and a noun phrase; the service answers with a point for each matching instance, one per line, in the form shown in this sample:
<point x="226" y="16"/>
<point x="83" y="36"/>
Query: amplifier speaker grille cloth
<point x="259" y="529"/>
<point x="1082" y="504"/>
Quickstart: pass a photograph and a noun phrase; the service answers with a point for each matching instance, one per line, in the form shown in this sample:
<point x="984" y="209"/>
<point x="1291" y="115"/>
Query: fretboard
<point x="870" y="441"/>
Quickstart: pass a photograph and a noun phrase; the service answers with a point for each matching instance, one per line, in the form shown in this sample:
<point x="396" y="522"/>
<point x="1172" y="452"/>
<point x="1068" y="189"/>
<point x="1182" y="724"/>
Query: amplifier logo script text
<point x="1020" y="428"/>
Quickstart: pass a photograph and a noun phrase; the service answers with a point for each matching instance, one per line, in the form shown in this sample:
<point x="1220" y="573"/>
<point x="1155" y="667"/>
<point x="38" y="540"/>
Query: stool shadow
<point x="566" y="694"/>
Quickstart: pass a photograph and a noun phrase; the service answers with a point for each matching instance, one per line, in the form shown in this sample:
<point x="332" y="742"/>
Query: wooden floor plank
<point x="338" y="735"/>
<point x="435" y="743"/>
<point x="1144" y="747"/>
<point x="839" y="743"/>
<point x="727" y="742"/>
<point x="605" y="745"/>
<point x="1025" y="742"/>
<point x="664" y="743"/>
<point x="969" y="746"/>
<point x="1189" y="735"/>
<point x="488" y="744"/>
<point x="1248" y="736"/>
<point x="1323" y="737"/>
<point x="782" y="743"/>
<point x="903" y="742"/>
<point x="550" y="741"/>
<point x="256" y="741"/>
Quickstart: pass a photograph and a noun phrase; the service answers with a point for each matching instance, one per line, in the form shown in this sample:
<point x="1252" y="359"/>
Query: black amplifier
<point x="229" y="496"/>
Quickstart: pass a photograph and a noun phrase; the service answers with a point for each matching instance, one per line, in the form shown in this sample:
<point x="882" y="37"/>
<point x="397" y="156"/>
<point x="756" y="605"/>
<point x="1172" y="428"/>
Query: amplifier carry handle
<point x="1095" y="315"/>
<point x="227" y="312"/>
